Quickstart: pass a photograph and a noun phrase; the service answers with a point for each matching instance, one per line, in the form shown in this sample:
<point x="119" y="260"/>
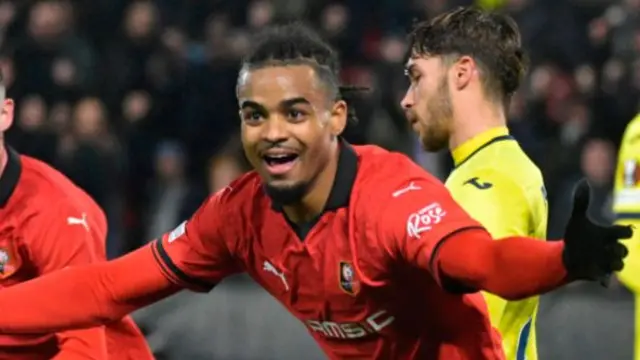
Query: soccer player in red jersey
<point x="49" y="224"/>
<point x="369" y="251"/>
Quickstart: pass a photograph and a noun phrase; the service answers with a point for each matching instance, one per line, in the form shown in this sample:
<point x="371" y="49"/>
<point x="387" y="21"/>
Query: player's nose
<point x="407" y="100"/>
<point x="275" y="130"/>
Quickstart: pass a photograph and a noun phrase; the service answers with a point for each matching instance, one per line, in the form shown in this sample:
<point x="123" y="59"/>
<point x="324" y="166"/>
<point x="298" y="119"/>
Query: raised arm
<point x="84" y="296"/>
<point x="429" y="230"/>
<point x="193" y="255"/>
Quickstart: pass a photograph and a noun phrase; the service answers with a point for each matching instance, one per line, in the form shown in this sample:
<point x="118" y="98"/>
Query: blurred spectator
<point x="135" y="100"/>
<point x="172" y="198"/>
<point x="223" y="169"/>
<point x="31" y="135"/>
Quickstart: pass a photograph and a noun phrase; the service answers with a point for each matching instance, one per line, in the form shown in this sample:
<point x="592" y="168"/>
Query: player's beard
<point x="287" y="194"/>
<point x="436" y="129"/>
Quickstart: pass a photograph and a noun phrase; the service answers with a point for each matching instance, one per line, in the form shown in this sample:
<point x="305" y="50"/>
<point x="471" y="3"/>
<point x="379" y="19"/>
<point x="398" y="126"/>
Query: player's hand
<point x="592" y="251"/>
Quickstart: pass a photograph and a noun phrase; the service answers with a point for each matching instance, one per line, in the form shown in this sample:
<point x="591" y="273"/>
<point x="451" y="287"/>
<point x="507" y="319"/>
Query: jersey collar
<point x="344" y="180"/>
<point x="10" y="176"/>
<point x="469" y="148"/>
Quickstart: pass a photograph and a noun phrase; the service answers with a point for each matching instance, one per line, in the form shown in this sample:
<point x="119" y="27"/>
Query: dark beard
<point x="287" y="195"/>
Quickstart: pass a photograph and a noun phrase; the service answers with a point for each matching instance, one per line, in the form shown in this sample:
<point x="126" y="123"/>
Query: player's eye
<point x="252" y="116"/>
<point x="296" y="115"/>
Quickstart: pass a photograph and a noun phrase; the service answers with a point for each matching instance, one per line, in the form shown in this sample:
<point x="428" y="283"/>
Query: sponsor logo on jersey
<point x="82" y="220"/>
<point x="424" y="219"/>
<point x="352" y="330"/>
<point x="270" y="268"/>
<point x="475" y="182"/>
<point x="348" y="282"/>
<point x="411" y="187"/>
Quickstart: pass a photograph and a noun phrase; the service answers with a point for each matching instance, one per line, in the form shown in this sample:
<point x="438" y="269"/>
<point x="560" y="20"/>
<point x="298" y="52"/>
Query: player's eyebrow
<point x="252" y="105"/>
<point x="294" y="101"/>
<point x="283" y="104"/>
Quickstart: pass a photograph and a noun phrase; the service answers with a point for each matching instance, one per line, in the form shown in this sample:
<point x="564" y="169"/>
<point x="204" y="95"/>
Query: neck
<point x="474" y="119"/>
<point x="315" y="200"/>
<point x="4" y="157"/>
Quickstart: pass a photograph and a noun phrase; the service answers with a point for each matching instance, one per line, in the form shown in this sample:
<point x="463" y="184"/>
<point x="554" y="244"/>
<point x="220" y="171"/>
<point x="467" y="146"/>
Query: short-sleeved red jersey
<point x="48" y="224"/>
<point x="362" y="277"/>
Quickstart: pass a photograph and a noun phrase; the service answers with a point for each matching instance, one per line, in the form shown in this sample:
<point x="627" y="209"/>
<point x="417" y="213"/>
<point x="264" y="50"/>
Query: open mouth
<point x="278" y="164"/>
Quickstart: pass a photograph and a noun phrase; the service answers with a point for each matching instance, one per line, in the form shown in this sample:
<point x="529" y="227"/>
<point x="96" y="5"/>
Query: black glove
<point x="592" y="251"/>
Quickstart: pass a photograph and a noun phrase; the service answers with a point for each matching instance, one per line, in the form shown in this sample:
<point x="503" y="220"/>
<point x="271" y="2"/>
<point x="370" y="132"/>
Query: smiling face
<point x="290" y="122"/>
<point x="427" y="103"/>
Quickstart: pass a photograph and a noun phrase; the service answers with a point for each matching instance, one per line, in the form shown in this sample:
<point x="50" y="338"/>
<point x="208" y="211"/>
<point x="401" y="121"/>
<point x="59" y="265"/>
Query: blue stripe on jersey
<point x="628" y="216"/>
<point x="521" y="352"/>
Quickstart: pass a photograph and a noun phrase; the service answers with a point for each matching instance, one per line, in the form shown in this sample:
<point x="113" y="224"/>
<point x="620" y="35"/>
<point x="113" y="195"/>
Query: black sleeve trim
<point x="168" y="265"/>
<point x="448" y="284"/>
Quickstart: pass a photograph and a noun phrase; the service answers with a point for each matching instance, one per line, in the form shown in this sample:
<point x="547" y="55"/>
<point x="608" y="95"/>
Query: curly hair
<point x="491" y="39"/>
<point x="296" y="44"/>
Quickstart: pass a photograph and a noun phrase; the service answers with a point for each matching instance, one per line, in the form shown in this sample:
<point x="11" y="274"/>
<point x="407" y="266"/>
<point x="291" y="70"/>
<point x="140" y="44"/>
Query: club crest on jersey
<point x="348" y="282"/>
<point x="10" y="261"/>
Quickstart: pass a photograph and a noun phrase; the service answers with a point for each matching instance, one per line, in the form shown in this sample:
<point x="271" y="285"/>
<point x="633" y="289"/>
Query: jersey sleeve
<point x="413" y="224"/>
<point x="496" y="202"/>
<point x="196" y="254"/>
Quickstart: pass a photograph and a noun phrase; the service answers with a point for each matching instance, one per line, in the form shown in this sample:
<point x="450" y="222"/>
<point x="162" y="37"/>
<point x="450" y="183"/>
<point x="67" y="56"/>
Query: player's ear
<point x="463" y="71"/>
<point x="6" y="117"/>
<point x="338" y="117"/>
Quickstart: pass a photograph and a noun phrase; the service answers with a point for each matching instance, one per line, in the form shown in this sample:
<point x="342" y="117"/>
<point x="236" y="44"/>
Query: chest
<point x="316" y="277"/>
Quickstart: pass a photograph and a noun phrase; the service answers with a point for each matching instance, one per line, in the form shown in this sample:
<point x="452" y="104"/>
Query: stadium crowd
<point x="135" y="100"/>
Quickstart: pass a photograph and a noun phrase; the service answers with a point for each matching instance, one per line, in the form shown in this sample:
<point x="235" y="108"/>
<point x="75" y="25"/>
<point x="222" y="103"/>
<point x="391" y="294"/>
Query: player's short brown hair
<point x="491" y="39"/>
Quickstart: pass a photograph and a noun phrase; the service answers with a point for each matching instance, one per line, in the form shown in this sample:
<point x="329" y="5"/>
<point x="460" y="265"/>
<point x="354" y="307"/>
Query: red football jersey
<point x="361" y="278"/>
<point x="48" y="224"/>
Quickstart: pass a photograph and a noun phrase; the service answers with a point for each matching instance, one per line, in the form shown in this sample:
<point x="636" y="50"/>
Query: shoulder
<point x="388" y="180"/>
<point x="239" y="195"/>
<point x="505" y="164"/>
<point x="49" y="184"/>
<point x="518" y="185"/>
<point x="389" y="171"/>
<point x="231" y="208"/>
<point x="44" y="191"/>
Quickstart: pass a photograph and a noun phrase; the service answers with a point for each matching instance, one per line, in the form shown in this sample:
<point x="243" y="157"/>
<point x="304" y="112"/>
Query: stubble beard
<point x="436" y="131"/>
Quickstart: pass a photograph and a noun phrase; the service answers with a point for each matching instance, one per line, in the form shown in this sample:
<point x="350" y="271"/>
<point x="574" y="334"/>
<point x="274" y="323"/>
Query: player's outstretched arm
<point x="432" y="232"/>
<point x="84" y="296"/>
<point x="519" y="267"/>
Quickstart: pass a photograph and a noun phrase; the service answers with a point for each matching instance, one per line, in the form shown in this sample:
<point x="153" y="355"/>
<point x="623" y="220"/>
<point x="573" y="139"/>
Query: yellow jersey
<point x="626" y="206"/>
<point x="499" y="186"/>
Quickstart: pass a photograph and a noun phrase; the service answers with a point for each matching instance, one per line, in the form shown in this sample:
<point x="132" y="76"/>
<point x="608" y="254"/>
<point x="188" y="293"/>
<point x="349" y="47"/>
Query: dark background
<point x="135" y="102"/>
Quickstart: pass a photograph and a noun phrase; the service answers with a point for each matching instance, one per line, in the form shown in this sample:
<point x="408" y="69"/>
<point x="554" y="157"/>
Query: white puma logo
<point x="268" y="267"/>
<point x="410" y="187"/>
<point x="79" y="221"/>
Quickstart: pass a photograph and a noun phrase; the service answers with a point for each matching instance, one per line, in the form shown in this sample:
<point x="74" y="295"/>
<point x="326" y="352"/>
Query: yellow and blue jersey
<point x="498" y="185"/>
<point x="626" y="206"/>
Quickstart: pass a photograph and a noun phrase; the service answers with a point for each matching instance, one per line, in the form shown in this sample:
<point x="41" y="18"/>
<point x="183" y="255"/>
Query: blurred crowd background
<point x="134" y="101"/>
